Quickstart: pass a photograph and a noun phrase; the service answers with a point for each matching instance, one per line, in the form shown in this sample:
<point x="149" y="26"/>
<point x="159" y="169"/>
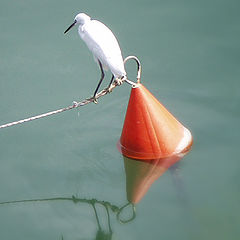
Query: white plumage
<point x="102" y="43"/>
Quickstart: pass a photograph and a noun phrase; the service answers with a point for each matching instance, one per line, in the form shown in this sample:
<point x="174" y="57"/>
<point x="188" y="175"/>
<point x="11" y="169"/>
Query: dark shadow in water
<point x="101" y="234"/>
<point x="175" y="172"/>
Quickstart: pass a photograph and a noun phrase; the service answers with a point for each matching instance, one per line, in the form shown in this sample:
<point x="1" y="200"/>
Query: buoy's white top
<point x="101" y="42"/>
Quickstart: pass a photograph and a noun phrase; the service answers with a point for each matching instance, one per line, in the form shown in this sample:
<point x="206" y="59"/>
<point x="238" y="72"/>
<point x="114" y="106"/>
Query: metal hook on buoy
<point x="139" y="70"/>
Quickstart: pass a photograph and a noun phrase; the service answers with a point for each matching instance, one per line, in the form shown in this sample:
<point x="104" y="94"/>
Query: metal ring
<point x="121" y="209"/>
<point x="139" y="67"/>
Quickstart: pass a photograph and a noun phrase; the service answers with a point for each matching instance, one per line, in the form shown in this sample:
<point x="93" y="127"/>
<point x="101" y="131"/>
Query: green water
<point x="190" y="55"/>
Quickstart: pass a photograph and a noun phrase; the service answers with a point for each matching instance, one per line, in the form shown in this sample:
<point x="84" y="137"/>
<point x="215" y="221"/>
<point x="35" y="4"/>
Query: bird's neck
<point x="84" y="21"/>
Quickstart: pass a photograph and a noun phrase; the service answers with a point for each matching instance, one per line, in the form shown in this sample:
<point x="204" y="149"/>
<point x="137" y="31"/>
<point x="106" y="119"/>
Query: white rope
<point x="105" y="91"/>
<point x="36" y="117"/>
<point x="75" y="105"/>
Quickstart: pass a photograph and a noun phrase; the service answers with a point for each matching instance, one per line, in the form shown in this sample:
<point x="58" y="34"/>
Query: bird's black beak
<point x="70" y="26"/>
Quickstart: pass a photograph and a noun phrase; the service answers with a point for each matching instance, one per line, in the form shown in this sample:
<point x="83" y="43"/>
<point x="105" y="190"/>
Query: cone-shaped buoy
<point x="152" y="140"/>
<point x="140" y="175"/>
<point x="150" y="131"/>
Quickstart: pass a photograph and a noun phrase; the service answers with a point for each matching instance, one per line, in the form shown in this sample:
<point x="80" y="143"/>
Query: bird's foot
<point x="92" y="99"/>
<point x="95" y="100"/>
<point x="119" y="81"/>
<point x="110" y="88"/>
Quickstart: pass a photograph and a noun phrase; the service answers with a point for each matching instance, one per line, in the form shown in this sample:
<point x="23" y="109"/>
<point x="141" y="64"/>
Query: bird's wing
<point x="101" y="41"/>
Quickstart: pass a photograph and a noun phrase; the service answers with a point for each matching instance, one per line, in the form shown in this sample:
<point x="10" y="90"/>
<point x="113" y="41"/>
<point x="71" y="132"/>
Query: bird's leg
<point x="109" y="89"/>
<point x="101" y="79"/>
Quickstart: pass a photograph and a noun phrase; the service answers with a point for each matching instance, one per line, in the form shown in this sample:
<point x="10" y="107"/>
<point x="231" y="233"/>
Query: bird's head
<point x="81" y="19"/>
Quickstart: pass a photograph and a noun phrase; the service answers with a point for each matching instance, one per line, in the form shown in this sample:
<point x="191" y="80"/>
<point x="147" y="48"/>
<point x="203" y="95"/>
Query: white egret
<point x="103" y="44"/>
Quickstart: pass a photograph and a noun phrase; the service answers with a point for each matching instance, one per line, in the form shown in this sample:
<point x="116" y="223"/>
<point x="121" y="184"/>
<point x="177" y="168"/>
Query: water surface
<point x="190" y="55"/>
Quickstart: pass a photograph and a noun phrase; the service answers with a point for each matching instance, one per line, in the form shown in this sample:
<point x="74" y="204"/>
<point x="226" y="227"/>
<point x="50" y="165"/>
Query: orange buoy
<point x="140" y="175"/>
<point x="150" y="131"/>
<point x="152" y="140"/>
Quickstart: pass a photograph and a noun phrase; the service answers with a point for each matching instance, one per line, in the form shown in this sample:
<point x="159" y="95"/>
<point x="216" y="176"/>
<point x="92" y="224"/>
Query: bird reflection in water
<point x="101" y="233"/>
